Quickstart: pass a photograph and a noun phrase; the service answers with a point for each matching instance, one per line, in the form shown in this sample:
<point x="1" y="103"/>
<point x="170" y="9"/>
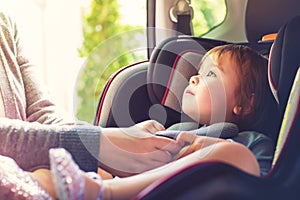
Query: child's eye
<point x="211" y="74"/>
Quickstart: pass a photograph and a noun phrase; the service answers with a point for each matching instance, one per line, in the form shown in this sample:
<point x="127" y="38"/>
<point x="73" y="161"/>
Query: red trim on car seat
<point x="113" y="76"/>
<point x="172" y="72"/>
<point x="272" y="84"/>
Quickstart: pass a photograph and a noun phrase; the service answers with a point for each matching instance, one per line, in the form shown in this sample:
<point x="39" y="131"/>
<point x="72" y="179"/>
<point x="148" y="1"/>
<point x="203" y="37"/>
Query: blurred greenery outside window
<point x="207" y="15"/>
<point x="114" y="37"/>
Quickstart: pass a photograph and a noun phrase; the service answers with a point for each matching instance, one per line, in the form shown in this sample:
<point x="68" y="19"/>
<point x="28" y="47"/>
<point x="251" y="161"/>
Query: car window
<point x="114" y="37"/>
<point x="207" y="14"/>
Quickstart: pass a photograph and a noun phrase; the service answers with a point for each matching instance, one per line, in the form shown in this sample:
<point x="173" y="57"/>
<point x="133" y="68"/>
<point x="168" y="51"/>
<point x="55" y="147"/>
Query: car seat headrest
<point x="284" y="61"/>
<point x="185" y="65"/>
<point x="258" y="23"/>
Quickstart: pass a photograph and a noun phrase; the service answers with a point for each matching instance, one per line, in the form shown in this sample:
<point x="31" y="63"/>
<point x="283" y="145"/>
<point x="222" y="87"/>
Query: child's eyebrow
<point x="207" y="64"/>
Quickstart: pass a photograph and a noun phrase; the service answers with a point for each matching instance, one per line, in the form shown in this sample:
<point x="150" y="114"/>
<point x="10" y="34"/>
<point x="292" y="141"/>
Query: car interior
<point x="152" y="89"/>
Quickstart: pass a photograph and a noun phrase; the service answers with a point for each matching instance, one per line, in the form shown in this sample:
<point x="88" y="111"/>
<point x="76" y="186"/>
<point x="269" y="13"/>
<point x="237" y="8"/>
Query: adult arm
<point x="127" y="150"/>
<point x="28" y="143"/>
<point x="32" y="124"/>
<point x="27" y="102"/>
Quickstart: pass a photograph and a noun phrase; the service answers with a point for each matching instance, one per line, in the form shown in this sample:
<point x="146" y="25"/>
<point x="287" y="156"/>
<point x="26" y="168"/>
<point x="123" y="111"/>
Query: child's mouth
<point x="189" y="92"/>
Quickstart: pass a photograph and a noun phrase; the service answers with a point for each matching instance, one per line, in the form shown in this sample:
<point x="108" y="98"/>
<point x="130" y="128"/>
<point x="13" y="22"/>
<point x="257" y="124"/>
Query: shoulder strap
<point x="182" y="14"/>
<point x="219" y="130"/>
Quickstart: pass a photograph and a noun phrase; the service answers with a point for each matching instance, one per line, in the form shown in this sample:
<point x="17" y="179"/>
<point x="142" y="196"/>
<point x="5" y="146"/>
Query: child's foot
<point x="69" y="181"/>
<point x="17" y="184"/>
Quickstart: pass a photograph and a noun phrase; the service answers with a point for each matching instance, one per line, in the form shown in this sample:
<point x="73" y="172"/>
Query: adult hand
<point x="150" y="126"/>
<point x="128" y="151"/>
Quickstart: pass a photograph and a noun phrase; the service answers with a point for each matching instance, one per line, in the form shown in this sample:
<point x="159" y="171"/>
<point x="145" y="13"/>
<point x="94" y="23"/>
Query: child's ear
<point x="248" y="107"/>
<point x="237" y="110"/>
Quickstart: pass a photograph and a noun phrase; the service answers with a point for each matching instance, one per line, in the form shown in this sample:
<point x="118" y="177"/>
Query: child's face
<point x="210" y="96"/>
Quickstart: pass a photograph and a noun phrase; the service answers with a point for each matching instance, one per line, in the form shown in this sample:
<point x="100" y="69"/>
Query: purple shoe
<point x="16" y="184"/>
<point x="67" y="177"/>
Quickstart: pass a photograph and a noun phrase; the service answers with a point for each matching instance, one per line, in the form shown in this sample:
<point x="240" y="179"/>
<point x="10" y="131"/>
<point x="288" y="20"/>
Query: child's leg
<point x="43" y="177"/>
<point x="104" y="174"/>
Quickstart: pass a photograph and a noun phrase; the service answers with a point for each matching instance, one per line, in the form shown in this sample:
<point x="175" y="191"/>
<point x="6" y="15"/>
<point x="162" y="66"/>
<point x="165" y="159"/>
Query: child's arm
<point x="194" y="143"/>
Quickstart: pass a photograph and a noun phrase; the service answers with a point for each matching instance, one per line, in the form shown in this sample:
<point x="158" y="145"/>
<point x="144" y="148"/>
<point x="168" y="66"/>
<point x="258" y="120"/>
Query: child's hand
<point x="194" y="143"/>
<point x="150" y="126"/>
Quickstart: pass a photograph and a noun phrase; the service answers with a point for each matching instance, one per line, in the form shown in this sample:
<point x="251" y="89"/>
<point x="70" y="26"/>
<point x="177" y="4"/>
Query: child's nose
<point x="194" y="80"/>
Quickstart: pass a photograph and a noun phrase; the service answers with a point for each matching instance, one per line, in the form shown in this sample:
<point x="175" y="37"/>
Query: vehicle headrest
<point x="264" y="17"/>
<point x="284" y="61"/>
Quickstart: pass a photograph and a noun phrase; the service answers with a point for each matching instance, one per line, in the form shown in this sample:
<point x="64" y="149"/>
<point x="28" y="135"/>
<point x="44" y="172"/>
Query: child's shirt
<point x="260" y="145"/>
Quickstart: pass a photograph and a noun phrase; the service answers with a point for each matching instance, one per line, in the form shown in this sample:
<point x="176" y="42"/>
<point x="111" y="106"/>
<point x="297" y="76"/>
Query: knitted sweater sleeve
<point x="33" y="125"/>
<point x="28" y="143"/>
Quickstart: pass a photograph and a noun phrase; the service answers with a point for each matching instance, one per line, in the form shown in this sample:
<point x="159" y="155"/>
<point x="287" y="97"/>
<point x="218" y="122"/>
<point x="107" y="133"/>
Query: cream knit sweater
<point x="31" y="125"/>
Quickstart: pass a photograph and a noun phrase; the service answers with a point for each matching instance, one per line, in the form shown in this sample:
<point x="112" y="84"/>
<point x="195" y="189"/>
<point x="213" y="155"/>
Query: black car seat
<point x="153" y="90"/>
<point x="213" y="180"/>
